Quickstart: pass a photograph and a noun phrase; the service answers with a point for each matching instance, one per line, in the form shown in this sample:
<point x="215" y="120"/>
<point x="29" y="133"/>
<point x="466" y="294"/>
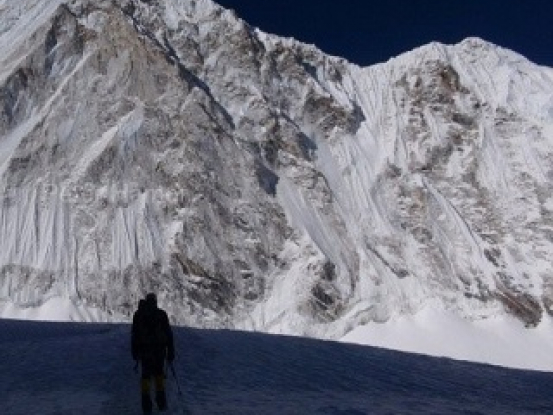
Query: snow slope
<point x="501" y="340"/>
<point x="69" y="368"/>
<point x="57" y="309"/>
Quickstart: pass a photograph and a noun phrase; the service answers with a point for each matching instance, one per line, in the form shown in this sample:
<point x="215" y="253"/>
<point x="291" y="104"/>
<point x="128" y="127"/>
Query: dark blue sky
<point x="371" y="31"/>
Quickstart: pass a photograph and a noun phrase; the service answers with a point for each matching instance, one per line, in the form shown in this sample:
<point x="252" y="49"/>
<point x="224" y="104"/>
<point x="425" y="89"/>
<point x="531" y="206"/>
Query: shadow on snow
<point x="86" y="369"/>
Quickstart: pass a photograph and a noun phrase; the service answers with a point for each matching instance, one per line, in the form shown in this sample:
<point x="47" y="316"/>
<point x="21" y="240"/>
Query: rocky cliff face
<point x="254" y="182"/>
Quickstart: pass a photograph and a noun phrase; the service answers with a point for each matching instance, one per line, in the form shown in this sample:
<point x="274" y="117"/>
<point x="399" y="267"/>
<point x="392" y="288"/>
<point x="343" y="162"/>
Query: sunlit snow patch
<point x="56" y="309"/>
<point x="502" y="340"/>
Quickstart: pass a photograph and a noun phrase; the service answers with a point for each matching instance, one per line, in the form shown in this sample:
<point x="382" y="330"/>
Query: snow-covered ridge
<point x="254" y="182"/>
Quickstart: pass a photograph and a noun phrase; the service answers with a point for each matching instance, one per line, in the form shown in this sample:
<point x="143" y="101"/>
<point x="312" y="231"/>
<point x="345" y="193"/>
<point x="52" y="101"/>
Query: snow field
<point x="86" y="369"/>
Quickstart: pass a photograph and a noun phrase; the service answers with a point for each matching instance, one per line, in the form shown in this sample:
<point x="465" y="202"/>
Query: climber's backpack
<point x="151" y="331"/>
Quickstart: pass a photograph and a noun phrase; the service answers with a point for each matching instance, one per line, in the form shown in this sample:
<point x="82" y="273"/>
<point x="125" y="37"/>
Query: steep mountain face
<point x="255" y="182"/>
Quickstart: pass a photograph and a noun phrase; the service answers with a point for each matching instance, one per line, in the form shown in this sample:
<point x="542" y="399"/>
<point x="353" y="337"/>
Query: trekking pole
<point x="172" y="367"/>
